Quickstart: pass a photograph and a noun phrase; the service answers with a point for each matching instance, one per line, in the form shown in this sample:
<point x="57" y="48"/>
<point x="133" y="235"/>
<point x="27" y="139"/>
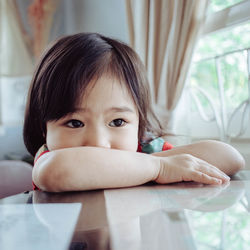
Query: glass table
<point x="177" y="216"/>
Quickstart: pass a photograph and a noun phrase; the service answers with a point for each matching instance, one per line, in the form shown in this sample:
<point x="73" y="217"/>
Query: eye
<point x="117" y="123"/>
<point x="75" y="124"/>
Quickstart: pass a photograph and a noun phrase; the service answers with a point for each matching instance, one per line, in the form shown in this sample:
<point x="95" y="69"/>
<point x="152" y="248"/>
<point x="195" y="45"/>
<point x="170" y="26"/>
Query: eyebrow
<point x="119" y="109"/>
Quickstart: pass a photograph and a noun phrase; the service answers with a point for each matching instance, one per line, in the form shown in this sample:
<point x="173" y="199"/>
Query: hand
<point x="185" y="167"/>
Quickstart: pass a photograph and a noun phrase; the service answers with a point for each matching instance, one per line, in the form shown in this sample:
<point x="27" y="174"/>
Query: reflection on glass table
<point x="165" y="215"/>
<point x="226" y="227"/>
<point x="23" y="227"/>
<point x="176" y="216"/>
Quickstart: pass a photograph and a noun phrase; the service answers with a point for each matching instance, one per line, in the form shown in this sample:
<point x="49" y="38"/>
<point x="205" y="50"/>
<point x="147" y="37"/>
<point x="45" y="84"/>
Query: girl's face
<point x="107" y="117"/>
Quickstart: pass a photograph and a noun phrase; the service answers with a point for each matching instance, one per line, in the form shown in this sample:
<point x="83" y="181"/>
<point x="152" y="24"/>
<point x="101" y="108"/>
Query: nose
<point x="96" y="137"/>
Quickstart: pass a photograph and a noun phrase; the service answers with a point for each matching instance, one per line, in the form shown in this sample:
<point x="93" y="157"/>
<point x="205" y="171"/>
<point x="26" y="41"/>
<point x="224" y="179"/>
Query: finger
<point x="202" y="178"/>
<point x="213" y="171"/>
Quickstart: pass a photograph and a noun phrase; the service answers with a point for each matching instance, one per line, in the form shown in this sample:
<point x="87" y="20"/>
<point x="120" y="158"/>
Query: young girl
<point x="89" y="112"/>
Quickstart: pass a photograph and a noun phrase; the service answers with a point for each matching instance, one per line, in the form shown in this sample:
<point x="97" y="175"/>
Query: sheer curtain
<point x="41" y="17"/>
<point x="164" y="33"/>
<point x="15" y="64"/>
<point x="17" y="46"/>
<point x="15" y="58"/>
<point x="24" y="32"/>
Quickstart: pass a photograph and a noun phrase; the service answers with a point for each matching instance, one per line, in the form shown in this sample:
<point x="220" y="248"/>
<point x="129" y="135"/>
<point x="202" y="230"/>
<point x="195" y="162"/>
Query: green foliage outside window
<point x="226" y="229"/>
<point x="233" y="66"/>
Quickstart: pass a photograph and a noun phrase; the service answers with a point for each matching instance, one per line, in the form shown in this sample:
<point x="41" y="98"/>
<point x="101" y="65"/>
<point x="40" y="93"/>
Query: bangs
<point x="67" y="79"/>
<point x="70" y="80"/>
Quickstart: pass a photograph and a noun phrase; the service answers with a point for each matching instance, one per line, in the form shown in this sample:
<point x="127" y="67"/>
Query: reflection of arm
<point x="219" y="154"/>
<point x="93" y="214"/>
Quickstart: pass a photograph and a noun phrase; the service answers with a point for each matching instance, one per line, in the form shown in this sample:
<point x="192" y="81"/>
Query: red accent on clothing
<point x="166" y="146"/>
<point x="139" y="149"/>
<point x="35" y="187"/>
<point x="41" y="155"/>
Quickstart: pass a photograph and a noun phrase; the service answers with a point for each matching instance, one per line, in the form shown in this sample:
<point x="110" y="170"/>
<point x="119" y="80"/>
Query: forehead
<point x="107" y="91"/>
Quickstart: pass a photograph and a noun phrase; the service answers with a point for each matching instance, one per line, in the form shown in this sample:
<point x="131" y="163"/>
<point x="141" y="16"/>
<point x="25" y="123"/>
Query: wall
<point x="106" y="17"/>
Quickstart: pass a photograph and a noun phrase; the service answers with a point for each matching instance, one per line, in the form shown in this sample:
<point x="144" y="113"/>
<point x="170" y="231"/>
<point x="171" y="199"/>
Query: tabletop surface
<point x="177" y="216"/>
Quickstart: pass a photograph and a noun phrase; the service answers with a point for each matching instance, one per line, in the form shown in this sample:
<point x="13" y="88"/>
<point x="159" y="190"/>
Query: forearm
<point x="86" y="168"/>
<point x="221" y="155"/>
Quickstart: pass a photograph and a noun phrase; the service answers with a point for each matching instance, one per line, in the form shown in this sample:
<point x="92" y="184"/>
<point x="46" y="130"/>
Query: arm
<point x="85" y="168"/>
<point x="219" y="154"/>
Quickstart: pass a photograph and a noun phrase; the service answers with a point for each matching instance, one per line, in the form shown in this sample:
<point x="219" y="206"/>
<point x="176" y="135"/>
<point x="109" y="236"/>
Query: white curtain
<point x="164" y="33"/>
<point x="19" y="50"/>
<point x="41" y="18"/>
<point x="15" y="59"/>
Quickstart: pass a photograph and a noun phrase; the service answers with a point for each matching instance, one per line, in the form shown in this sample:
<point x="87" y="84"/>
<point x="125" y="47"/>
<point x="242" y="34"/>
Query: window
<point x="219" y="78"/>
<point x="218" y="5"/>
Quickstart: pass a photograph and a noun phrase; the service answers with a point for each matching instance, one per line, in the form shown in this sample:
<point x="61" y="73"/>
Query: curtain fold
<point x="164" y="34"/>
<point x="15" y="58"/>
<point x="41" y="15"/>
<point x="18" y="49"/>
<point x="20" y="45"/>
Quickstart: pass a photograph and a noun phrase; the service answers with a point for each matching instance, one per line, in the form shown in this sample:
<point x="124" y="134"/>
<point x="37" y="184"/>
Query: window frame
<point x="215" y="22"/>
<point x="228" y="17"/>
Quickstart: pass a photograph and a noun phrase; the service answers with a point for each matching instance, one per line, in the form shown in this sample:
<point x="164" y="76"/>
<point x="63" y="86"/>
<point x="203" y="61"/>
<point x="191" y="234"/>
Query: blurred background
<point x="197" y="55"/>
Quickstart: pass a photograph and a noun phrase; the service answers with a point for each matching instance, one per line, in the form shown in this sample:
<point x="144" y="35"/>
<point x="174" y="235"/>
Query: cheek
<point x="52" y="140"/>
<point x="133" y="144"/>
<point x="127" y="141"/>
<point x="62" y="140"/>
<point x="55" y="138"/>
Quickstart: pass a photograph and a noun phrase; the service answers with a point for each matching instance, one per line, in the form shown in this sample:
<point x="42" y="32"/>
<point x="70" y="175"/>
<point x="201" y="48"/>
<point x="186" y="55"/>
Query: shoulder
<point x="156" y="145"/>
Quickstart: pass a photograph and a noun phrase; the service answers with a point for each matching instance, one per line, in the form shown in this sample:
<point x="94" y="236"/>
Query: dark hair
<point x="66" y="69"/>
